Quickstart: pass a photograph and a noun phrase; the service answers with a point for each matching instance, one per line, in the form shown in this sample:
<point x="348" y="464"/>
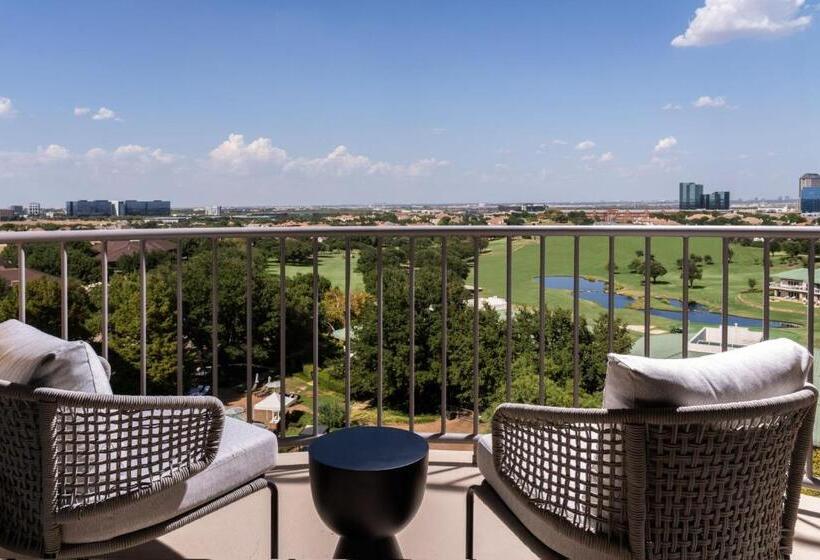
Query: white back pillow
<point x="767" y="369"/>
<point x="31" y="357"/>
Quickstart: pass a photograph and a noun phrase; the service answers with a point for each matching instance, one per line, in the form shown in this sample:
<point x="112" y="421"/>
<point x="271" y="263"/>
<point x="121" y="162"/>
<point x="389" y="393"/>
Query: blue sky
<point x="358" y="102"/>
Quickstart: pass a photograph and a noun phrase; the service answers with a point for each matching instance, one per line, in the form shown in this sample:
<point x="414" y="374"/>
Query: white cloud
<point x="585" y="145"/>
<point x="559" y="142"/>
<point x="101" y="114"/>
<point x="605" y="157"/>
<point x="236" y="153"/>
<point x="672" y="107"/>
<point x="708" y="102"/>
<point x="104" y="114"/>
<point x="720" y="21"/>
<point x="6" y="108"/>
<point x="666" y="144"/>
<point x="52" y="152"/>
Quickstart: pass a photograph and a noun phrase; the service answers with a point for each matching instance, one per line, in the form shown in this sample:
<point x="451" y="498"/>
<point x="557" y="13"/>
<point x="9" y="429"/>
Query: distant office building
<point x="17" y="209"/>
<point x="6" y="214"/>
<point x="718" y="200"/>
<point x="34" y="209"/>
<point x="214" y="211"/>
<point x="89" y="208"/>
<point x="142" y="207"/>
<point x="809" y="193"/>
<point x="690" y="196"/>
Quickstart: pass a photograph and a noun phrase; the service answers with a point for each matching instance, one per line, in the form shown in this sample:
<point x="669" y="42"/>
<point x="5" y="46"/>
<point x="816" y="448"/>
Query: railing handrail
<point x="771" y="232"/>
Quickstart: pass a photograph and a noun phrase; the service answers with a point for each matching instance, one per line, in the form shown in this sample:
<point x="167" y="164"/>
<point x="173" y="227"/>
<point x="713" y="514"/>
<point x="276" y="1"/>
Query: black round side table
<point x="367" y="484"/>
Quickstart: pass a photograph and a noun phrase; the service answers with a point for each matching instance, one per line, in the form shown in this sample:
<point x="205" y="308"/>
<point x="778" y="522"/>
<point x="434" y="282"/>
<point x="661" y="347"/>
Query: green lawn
<point x="746" y="263"/>
<point x="331" y="266"/>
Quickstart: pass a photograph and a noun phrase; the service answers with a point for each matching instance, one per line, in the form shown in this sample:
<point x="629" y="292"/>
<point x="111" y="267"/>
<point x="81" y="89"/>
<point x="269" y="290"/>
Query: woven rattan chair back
<point x="718" y="481"/>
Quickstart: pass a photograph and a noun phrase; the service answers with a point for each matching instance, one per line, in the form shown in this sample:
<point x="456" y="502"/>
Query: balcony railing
<point x="412" y="233"/>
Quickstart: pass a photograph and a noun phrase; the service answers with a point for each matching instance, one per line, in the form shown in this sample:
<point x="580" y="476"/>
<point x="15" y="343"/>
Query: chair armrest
<point x="567" y="464"/>
<point x="105" y="451"/>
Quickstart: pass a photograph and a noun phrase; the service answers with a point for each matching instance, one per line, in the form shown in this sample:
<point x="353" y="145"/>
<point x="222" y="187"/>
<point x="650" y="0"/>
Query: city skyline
<point x="328" y="104"/>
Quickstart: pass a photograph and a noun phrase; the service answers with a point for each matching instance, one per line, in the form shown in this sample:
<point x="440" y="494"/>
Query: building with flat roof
<point x="809" y="193"/>
<point x="142" y="207"/>
<point x="690" y="196"/>
<point x="34" y="209"/>
<point x="89" y="208"/>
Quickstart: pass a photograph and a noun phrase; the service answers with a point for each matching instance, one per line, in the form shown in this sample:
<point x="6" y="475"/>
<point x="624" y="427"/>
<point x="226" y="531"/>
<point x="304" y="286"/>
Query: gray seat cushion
<point x="544" y="528"/>
<point x="767" y="369"/>
<point x="31" y="357"/>
<point x="245" y="453"/>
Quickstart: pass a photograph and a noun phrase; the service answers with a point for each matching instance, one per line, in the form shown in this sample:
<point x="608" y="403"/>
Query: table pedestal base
<point x="355" y="548"/>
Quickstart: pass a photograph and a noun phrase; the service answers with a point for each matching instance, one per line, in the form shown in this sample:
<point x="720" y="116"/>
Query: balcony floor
<point x="438" y="529"/>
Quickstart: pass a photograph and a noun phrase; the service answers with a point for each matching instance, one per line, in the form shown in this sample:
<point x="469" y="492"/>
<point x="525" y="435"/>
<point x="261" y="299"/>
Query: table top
<point x="368" y="449"/>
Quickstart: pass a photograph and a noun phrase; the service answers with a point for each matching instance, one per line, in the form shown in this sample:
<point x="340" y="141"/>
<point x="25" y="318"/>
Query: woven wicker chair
<point x="67" y="456"/>
<point x="718" y="481"/>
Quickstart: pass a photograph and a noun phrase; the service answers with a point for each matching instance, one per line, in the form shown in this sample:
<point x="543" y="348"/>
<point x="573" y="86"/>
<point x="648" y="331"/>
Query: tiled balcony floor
<point x="438" y="529"/>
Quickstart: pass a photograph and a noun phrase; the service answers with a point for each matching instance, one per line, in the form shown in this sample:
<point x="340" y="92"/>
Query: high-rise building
<point x="17" y="209"/>
<point x="142" y="207"/>
<point x="809" y="192"/>
<point x="34" y="209"/>
<point x="89" y="208"/>
<point x="690" y="196"/>
<point x="718" y="200"/>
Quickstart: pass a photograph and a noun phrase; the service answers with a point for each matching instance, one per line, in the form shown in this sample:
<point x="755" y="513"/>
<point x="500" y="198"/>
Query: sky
<point x="327" y="102"/>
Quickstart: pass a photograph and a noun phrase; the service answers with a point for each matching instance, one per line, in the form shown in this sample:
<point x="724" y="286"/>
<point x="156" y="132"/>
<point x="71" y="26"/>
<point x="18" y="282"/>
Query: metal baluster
<point x="315" y="336"/>
<point x="647" y="294"/>
<point x="180" y="334"/>
<point x="611" y="294"/>
<point x="283" y="309"/>
<point x="542" y="312"/>
<point x="576" y="321"/>
<point x="810" y="328"/>
<point x="215" y="317"/>
<point x="724" y="299"/>
<point x="143" y="322"/>
<point x="21" y="288"/>
<point x="508" y="355"/>
<point x="476" y="332"/>
<point x="767" y="263"/>
<point x="249" y="330"/>
<point x="444" y="325"/>
<point x="63" y="291"/>
<point x="104" y="302"/>
<point x="379" y="331"/>
<point x="348" y="327"/>
<point x="685" y="302"/>
<point x="811" y="301"/>
<point x="411" y="298"/>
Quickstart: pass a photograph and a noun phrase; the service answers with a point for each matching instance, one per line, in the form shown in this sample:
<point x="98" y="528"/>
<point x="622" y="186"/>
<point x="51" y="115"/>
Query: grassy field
<point x="331" y="266"/>
<point x="746" y="263"/>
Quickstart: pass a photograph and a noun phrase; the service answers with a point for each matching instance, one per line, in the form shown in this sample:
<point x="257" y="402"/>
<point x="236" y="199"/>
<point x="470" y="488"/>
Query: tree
<point x="695" y="269"/>
<point x="752" y="284"/>
<point x="656" y="269"/>
<point x="331" y="414"/>
<point x="707" y="259"/>
<point x="635" y="265"/>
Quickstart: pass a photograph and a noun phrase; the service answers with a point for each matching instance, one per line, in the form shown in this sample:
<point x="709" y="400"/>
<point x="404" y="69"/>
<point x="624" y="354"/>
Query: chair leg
<point x="470" y="521"/>
<point x="274" y="519"/>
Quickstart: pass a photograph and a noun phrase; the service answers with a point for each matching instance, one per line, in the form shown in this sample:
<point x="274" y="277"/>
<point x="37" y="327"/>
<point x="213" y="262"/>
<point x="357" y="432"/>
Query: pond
<point x="595" y="291"/>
